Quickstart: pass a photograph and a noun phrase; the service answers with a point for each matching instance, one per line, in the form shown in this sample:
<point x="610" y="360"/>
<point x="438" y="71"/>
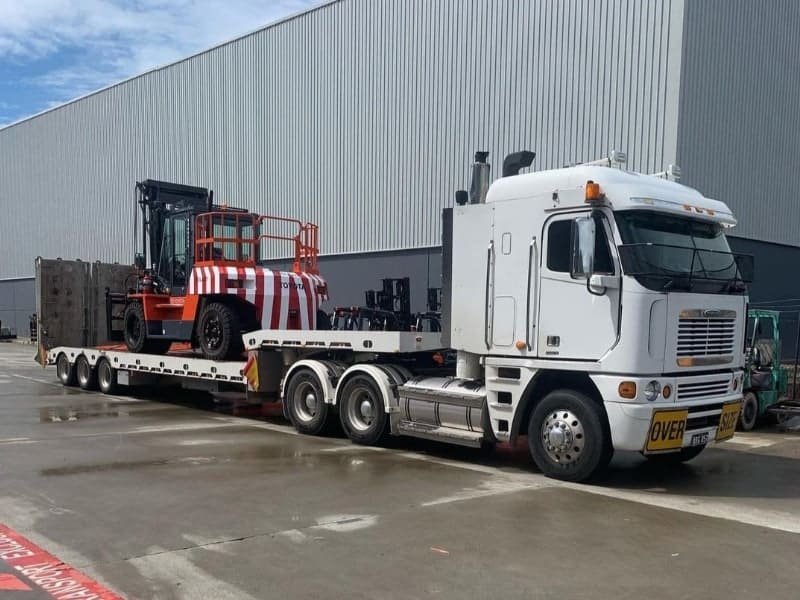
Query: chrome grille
<point x="704" y="336"/>
<point x="704" y="389"/>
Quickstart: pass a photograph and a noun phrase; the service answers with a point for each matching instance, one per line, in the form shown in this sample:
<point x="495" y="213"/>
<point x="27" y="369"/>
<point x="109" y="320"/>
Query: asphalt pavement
<point x="180" y="497"/>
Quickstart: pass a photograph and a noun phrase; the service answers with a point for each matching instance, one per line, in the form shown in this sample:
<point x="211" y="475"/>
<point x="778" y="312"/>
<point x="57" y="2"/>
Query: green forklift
<point x="765" y="379"/>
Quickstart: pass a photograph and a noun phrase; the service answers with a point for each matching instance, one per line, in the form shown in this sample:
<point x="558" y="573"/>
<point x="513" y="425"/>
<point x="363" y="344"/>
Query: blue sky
<point x="52" y="51"/>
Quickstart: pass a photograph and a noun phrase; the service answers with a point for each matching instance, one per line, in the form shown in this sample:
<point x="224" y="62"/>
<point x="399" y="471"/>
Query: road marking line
<point x="44" y="571"/>
<point x="752" y="442"/>
<point x="36" y="380"/>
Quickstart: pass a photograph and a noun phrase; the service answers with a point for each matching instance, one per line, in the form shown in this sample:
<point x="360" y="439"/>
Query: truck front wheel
<point x="568" y="436"/>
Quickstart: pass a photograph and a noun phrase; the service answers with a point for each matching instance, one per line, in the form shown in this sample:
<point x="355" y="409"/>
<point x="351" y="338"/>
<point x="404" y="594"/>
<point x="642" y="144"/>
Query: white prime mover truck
<point x="589" y="308"/>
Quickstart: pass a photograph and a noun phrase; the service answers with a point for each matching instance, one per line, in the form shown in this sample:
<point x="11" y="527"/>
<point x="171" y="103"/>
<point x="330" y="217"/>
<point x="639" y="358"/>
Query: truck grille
<point x="701" y="390"/>
<point x="704" y="336"/>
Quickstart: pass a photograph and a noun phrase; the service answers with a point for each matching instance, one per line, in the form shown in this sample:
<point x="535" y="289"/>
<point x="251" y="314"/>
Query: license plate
<point x="666" y="430"/>
<point x="699" y="439"/>
<point x="727" y="420"/>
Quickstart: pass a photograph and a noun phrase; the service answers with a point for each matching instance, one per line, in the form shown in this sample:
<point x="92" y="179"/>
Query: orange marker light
<point x="592" y="191"/>
<point x="627" y="389"/>
<point x="666" y="391"/>
<point x="520" y="345"/>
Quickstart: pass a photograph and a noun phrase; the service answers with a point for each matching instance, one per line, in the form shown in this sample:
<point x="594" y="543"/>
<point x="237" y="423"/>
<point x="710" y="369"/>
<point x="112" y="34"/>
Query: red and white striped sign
<point x="284" y="300"/>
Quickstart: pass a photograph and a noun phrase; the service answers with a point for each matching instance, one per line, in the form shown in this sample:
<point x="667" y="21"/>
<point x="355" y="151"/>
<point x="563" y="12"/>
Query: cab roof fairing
<point x="623" y="190"/>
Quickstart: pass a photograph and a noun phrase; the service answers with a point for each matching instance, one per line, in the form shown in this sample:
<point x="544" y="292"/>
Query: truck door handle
<point x="531" y="255"/>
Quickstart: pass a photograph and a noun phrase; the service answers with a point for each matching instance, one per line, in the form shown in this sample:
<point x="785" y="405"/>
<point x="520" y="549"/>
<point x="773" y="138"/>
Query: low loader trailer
<point x="589" y="308"/>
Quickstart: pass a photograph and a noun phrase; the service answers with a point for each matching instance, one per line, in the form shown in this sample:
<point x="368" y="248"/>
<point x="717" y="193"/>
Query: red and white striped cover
<point x="274" y="293"/>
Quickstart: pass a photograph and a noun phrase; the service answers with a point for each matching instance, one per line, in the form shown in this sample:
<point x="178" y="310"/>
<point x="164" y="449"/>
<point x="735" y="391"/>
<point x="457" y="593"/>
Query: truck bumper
<point x="700" y="409"/>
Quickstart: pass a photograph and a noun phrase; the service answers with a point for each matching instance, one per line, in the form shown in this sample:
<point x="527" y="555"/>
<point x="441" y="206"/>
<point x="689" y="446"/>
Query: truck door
<point x="575" y="323"/>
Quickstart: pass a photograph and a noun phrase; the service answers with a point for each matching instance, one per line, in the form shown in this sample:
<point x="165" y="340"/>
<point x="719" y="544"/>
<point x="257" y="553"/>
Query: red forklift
<point x="204" y="284"/>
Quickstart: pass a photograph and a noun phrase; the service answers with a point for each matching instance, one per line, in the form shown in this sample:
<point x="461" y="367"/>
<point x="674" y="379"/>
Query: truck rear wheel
<point x="219" y="332"/>
<point x="361" y="411"/>
<point x="135" y="332"/>
<point x="106" y="376"/>
<point x="568" y="436"/>
<point x="749" y="415"/>
<point x="87" y="376"/>
<point x="65" y="371"/>
<point x="305" y="402"/>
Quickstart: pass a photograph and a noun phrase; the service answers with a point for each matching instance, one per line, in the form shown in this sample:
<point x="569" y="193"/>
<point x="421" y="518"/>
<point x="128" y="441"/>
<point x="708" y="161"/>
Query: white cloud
<point x="93" y="43"/>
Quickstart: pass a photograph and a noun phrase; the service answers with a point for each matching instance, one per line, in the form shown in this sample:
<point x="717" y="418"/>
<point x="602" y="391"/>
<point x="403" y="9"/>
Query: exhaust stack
<point x="480" y="178"/>
<point x="516" y="161"/>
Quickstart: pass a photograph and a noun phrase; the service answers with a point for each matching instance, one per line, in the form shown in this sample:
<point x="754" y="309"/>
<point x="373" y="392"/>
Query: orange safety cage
<point x="233" y="238"/>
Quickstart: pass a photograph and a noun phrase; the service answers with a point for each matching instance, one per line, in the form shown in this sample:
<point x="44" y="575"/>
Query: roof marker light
<point x="592" y="191"/>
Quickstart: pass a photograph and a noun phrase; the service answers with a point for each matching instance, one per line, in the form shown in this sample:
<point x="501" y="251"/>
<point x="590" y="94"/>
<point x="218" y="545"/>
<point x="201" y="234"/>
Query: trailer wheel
<point x="305" y="402"/>
<point x="219" y="332"/>
<point x="749" y="415"/>
<point x="674" y="458"/>
<point x="106" y="376"/>
<point x="568" y="436"/>
<point x="65" y="371"/>
<point x="87" y="376"/>
<point x="361" y="411"/>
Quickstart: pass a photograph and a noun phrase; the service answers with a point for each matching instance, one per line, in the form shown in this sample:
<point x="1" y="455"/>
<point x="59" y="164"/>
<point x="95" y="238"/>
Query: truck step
<point x="452" y="435"/>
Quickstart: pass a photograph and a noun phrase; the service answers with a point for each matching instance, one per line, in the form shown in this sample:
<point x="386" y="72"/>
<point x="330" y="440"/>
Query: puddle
<point x="132" y="465"/>
<point x="59" y="414"/>
<point x="66" y="413"/>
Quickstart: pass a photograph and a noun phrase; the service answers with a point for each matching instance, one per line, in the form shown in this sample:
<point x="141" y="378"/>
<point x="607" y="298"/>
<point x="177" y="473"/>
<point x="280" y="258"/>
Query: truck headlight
<point x="652" y="391"/>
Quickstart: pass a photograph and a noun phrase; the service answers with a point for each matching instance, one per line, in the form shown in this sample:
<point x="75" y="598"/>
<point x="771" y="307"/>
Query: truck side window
<point x="602" y="255"/>
<point x="559" y="248"/>
<point x="559" y="245"/>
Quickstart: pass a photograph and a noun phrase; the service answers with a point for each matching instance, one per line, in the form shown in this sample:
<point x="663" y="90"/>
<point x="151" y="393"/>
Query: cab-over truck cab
<point x="604" y="311"/>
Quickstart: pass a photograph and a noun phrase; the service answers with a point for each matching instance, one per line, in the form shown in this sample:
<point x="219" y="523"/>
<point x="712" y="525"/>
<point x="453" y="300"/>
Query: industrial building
<point x="363" y="116"/>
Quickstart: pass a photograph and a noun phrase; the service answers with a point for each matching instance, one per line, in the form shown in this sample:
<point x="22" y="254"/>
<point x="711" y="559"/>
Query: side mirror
<point x="583" y="240"/>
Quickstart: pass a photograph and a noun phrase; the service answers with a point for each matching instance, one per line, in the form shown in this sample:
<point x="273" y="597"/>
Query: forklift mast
<point x="158" y="200"/>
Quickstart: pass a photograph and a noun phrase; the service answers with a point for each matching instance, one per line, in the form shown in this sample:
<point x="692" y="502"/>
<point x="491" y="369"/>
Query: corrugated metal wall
<point x="739" y="129"/>
<point x="361" y="115"/>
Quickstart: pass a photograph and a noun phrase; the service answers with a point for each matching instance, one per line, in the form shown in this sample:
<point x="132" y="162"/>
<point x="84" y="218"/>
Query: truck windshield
<point x="676" y="253"/>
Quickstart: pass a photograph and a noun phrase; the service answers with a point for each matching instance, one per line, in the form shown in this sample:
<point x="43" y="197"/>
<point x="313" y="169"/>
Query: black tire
<point x="748" y="417"/>
<point x="361" y="411"/>
<point x="65" y="371"/>
<point x="579" y="426"/>
<point x="674" y="458"/>
<point x="106" y="376"/>
<point x="135" y="332"/>
<point x="219" y="332"/>
<point x="305" y="403"/>
<point x="86" y="375"/>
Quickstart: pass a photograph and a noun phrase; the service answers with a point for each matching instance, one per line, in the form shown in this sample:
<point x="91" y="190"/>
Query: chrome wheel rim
<point x="362" y="409"/>
<point x="62" y="368"/>
<point x="306" y="401"/>
<point x="563" y="437"/>
<point x="83" y="370"/>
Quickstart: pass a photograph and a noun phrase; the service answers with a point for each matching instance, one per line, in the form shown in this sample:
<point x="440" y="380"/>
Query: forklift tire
<point x="219" y="332"/>
<point x="87" y="376"/>
<point x="135" y="332"/>
<point x="749" y="415"/>
<point x="65" y="371"/>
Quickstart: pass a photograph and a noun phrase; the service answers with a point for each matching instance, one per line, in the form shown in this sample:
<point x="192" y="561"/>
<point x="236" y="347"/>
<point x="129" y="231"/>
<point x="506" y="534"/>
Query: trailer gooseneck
<point x="589" y="308"/>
